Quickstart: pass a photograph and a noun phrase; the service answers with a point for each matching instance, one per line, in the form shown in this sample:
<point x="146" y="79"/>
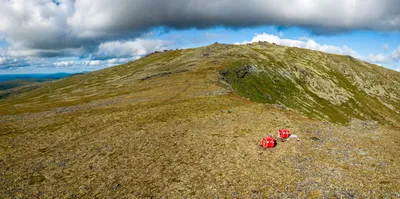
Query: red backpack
<point x="268" y="142"/>
<point x="283" y="133"/>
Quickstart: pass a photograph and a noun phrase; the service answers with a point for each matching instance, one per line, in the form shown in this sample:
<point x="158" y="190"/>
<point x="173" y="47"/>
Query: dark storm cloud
<point x="339" y="15"/>
<point x="78" y="27"/>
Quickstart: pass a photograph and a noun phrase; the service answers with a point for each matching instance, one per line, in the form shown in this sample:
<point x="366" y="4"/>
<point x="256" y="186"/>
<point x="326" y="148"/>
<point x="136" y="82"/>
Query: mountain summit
<point x="187" y="123"/>
<point x="323" y="86"/>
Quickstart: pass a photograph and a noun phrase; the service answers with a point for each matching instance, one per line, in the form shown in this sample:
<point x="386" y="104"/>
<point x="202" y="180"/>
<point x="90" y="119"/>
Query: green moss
<point x="276" y="83"/>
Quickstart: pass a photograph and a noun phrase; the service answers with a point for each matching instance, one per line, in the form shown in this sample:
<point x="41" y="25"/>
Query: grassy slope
<point x="111" y="134"/>
<point x="319" y="85"/>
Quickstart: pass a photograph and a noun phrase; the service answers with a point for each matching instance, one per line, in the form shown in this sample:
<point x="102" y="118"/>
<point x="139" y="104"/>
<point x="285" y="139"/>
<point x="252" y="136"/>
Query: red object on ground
<point x="283" y="133"/>
<point x="268" y="142"/>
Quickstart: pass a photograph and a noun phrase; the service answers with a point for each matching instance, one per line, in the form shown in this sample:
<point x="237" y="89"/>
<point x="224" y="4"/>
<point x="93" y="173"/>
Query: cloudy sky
<point x="47" y="36"/>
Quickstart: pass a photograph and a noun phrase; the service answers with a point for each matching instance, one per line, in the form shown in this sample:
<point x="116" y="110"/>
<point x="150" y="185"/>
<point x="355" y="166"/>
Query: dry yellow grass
<point x="171" y="136"/>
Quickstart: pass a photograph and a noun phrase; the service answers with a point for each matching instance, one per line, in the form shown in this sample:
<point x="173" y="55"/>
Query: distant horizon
<point x="45" y="73"/>
<point x="39" y="73"/>
<point x="33" y="76"/>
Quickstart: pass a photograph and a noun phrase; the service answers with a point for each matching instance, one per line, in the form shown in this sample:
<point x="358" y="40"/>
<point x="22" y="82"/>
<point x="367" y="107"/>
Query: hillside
<point x="322" y="86"/>
<point x="19" y="83"/>
<point x="160" y="127"/>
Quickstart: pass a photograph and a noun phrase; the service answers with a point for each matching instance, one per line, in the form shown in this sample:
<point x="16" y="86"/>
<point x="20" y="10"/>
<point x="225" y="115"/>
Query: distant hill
<point x="35" y="77"/>
<point x="15" y="83"/>
<point x="9" y="81"/>
<point x="30" y="81"/>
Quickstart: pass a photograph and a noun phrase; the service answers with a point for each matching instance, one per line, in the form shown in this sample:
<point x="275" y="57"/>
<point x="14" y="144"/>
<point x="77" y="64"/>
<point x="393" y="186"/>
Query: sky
<point x="49" y="36"/>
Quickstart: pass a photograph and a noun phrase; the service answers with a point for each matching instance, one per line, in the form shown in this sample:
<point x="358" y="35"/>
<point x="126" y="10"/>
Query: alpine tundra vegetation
<point x="188" y="124"/>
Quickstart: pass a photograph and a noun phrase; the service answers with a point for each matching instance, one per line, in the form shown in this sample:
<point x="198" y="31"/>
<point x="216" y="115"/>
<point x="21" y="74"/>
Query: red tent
<point x="268" y="142"/>
<point x="283" y="133"/>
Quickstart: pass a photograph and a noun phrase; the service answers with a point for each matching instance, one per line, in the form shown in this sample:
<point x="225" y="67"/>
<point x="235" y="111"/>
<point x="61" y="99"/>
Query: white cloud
<point x="138" y="47"/>
<point x="95" y="63"/>
<point x="3" y="59"/>
<point x="107" y="54"/>
<point x="36" y="24"/>
<point x="115" y="61"/>
<point x="64" y="63"/>
<point x="398" y="69"/>
<point x="396" y="54"/>
<point x="379" y="58"/>
<point x="304" y="42"/>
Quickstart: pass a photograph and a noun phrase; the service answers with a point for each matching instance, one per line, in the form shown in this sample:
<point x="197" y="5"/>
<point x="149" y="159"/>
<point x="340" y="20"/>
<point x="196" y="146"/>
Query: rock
<point x="267" y="97"/>
<point x="116" y="187"/>
<point x="314" y="138"/>
<point x="243" y="71"/>
<point x="36" y="179"/>
<point x="280" y="106"/>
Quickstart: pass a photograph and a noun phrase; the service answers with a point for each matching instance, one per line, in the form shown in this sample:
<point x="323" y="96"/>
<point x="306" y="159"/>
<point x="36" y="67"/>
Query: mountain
<point x="319" y="85"/>
<point x="188" y="123"/>
<point x="36" y="77"/>
<point x="13" y="84"/>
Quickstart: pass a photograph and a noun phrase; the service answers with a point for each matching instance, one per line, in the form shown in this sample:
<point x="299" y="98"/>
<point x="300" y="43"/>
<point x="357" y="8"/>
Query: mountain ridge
<point x="319" y="85"/>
